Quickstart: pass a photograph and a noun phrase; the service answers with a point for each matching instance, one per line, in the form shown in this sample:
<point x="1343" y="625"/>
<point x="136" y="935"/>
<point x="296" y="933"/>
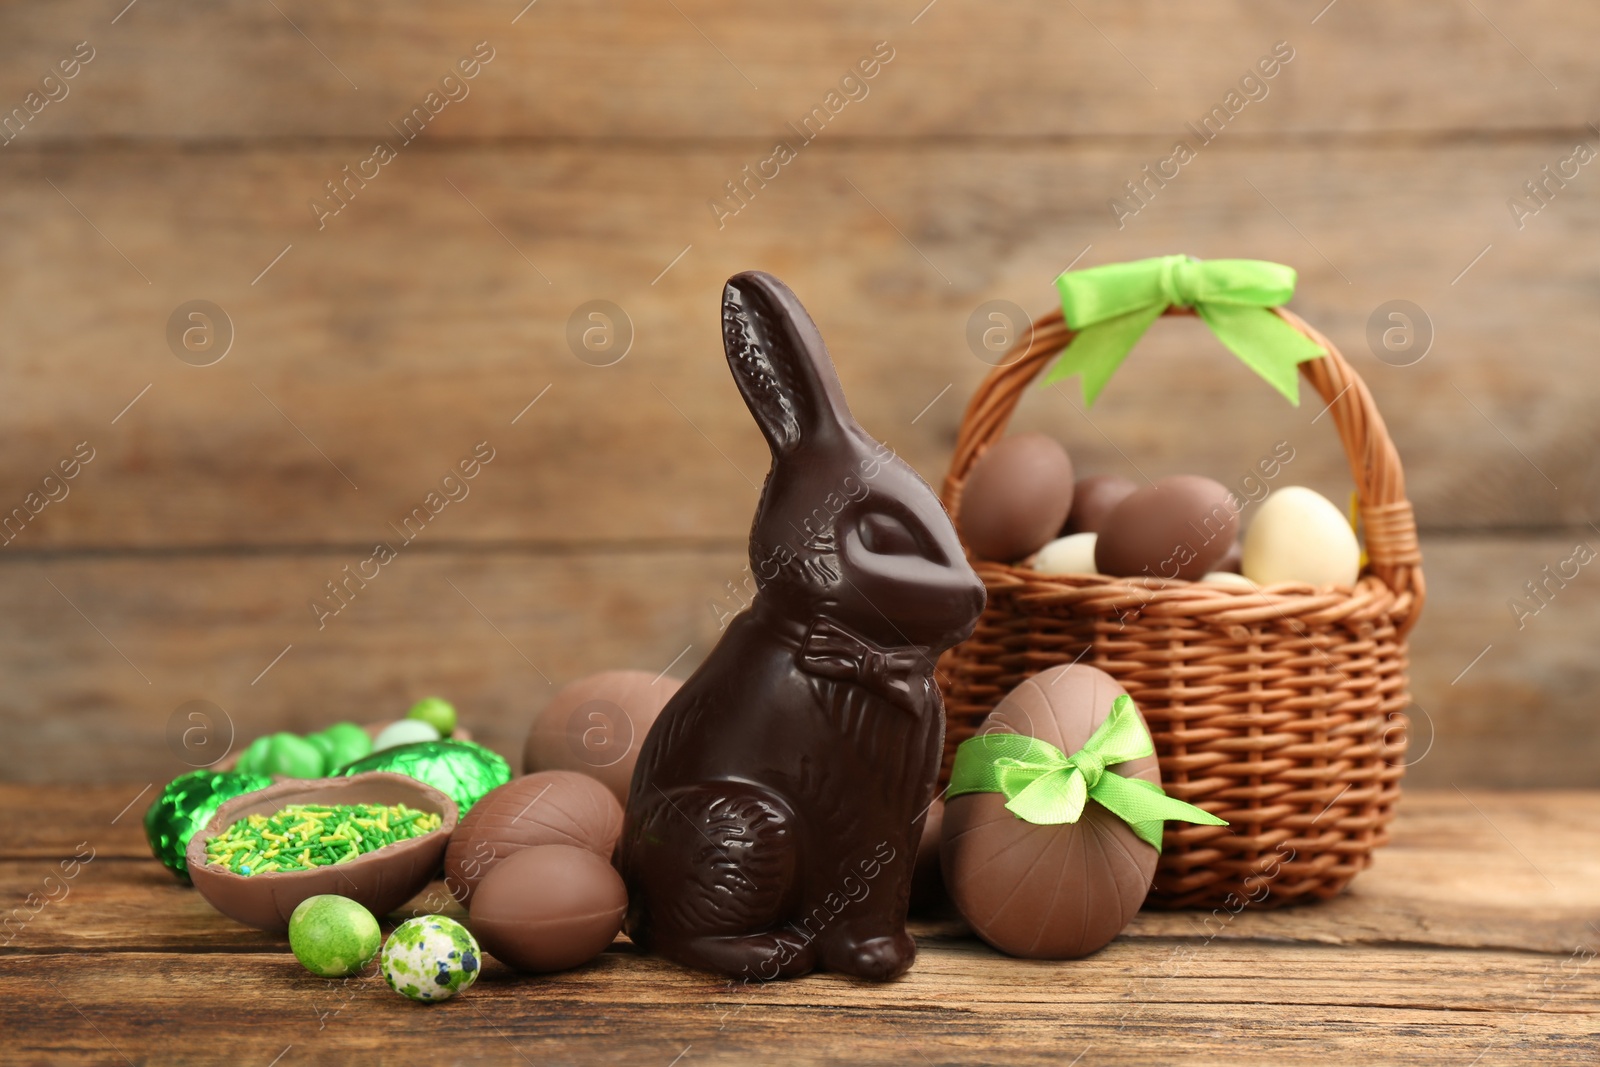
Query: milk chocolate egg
<point x="596" y="724"/>
<point x="1016" y="497"/>
<point x="1299" y="535"/>
<point x="548" y="908"/>
<point x="1180" y="527"/>
<point x="927" y="884"/>
<point x="1048" y="892"/>
<point x="547" y="808"/>
<point x="1093" y="500"/>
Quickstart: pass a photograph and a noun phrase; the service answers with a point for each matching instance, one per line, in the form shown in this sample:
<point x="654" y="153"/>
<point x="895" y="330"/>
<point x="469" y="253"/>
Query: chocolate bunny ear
<point x="780" y="363"/>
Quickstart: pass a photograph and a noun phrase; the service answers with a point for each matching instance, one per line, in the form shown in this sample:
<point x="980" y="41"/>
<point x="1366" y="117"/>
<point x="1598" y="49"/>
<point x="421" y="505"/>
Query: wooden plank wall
<point x="374" y="349"/>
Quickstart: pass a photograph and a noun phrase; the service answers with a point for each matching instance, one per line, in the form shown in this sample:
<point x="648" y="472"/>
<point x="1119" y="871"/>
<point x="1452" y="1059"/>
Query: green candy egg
<point x="186" y="805"/>
<point x="324" y="749"/>
<point x="292" y="756"/>
<point x="333" y="936"/>
<point x="254" y="758"/>
<point x="430" y="958"/>
<point x="285" y="755"/>
<point x="462" y="770"/>
<point x="437" y="713"/>
<point x="341" y="743"/>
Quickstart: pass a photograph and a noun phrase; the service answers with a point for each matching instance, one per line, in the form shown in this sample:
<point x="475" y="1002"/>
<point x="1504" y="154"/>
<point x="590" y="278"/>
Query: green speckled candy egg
<point x="430" y="958"/>
<point x="333" y="936"/>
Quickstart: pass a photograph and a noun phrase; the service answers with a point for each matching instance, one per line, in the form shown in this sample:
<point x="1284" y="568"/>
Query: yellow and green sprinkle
<point x="303" y="836"/>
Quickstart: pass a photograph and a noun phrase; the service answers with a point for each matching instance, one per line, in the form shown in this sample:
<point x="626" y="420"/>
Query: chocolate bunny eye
<point x="886" y="535"/>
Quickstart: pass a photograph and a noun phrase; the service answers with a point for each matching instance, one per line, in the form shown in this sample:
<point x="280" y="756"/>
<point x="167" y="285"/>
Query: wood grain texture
<point x="374" y="356"/>
<point x="210" y="627"/>
<point x="128" y="965"/>
<point x="371" y="355"/>
<point x="112" y="903"/>
<point x="961" y="1004"/>
<point x="105" y="816"/>
<point x="589" y="70"/>
<point x="1428" y="886"/>
<point x="495" y="631"/>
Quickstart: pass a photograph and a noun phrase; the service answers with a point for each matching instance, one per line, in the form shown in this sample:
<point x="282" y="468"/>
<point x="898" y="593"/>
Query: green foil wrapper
<point x="186" y="805"/>
<point x="462" y="770"/>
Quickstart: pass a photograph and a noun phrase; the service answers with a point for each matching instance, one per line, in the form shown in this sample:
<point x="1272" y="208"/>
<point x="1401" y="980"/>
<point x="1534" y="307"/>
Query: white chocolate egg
<point x="1073" y="554"/>
<point x="404" y="732"/>
<point x="1298" y="535"/>
<point x="1229" y="580"/>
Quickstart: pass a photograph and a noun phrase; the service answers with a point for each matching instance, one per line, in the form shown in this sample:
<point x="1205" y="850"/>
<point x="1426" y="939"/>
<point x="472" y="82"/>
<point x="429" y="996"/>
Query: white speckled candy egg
<point x="404" y="732"/>
<point x="431" y="957"/>
<point x="1298" y="535"/>
<point x="1073" y="554"/>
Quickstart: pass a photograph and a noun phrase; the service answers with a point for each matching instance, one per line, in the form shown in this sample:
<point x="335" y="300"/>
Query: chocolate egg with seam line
<point x="1042" y="891"/>
<point x="1178" y="528"/>
<point x="546" y="808"/>
<point x="549" y="908"/>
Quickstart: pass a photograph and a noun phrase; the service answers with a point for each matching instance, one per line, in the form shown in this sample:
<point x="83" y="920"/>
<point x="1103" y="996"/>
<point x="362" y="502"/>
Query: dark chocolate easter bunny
<point x="773" y="820"/>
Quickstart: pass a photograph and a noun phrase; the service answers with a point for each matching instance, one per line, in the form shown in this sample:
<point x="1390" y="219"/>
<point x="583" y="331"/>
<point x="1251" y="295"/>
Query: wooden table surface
<point x="588" y="164"/>
<point x="1471" y="941"/>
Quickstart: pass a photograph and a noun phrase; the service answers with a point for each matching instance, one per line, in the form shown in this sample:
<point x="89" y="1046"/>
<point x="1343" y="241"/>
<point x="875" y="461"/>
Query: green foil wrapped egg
<point x="186" y="805"/>
<point x="462" y="770"/>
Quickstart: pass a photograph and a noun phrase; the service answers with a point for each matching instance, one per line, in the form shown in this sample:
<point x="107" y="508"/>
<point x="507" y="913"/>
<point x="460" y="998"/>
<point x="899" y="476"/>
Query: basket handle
<point x="1391" y="527"/>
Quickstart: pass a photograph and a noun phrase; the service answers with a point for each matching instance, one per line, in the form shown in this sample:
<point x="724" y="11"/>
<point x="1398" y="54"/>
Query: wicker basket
<point x="1282" y="711"/>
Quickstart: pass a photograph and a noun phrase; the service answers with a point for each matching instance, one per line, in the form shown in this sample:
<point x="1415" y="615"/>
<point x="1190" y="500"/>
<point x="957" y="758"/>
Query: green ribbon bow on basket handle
<point x="1110" y="307"/>
<point x="1044" y="786"/>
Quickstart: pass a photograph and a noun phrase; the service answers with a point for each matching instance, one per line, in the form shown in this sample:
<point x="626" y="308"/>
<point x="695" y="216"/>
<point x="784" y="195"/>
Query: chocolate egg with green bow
<point x="1045" y="890"/>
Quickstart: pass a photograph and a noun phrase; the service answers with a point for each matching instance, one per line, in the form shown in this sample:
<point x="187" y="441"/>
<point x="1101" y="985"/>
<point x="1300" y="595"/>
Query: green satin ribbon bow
<point x="1044" y="786"/>
<point x="1110" y="308"/>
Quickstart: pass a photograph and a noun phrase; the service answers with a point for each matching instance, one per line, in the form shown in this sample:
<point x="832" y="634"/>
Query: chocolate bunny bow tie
<point x="832" y="651"/>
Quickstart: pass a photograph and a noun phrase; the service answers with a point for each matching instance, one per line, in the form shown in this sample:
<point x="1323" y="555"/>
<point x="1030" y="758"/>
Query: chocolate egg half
<point x="548" y="908"/>
<point x="596" y="725"/>
<point x="379" y="881"/>
<point x="1180" y="527"/>
<point x="1048" y="892"/>
<point x="547" y="808"/>
<point x="1016" y="497"/>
